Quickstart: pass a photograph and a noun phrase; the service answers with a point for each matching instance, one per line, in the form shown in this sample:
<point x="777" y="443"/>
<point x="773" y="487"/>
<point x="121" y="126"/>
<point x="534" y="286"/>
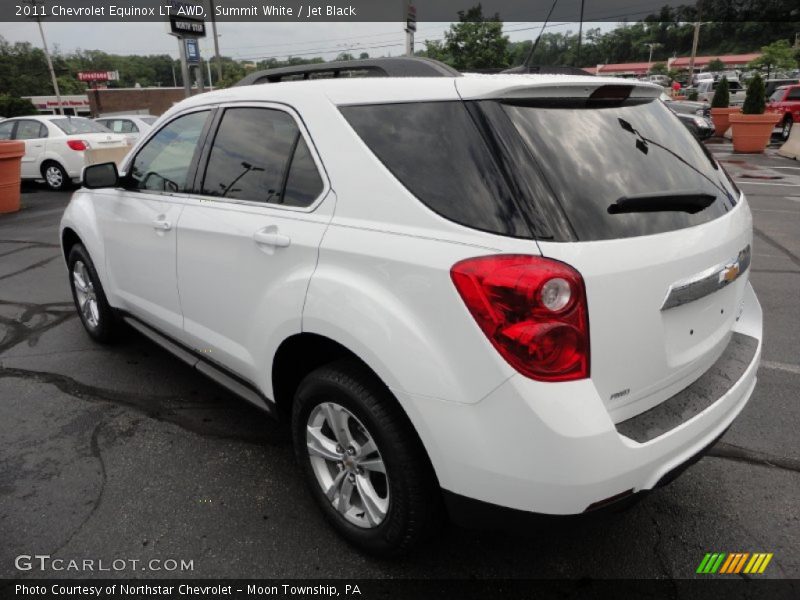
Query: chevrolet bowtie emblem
<point x="730" y="273"/>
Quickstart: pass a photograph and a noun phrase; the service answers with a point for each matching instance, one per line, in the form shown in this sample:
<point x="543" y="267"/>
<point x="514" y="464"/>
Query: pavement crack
<point x="36" y="265"/>
<point x="771" y="240"/>
<point x="167" y="409"/>
<point x="754" y="457"/>
<point x="94" y="446"/>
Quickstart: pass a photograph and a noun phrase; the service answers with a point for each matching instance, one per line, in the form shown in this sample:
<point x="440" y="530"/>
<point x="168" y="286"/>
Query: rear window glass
<point x="437" y="153"/>
<point x="73" y="125"/>
<point x="595" y="157"/>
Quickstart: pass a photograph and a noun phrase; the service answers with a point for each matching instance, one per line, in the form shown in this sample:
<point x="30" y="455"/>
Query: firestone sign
<point x="98" y="76"/>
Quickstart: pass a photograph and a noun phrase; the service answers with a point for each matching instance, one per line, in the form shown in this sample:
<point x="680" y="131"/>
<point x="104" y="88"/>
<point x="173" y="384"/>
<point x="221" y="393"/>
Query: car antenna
<point x="528" y="58"/>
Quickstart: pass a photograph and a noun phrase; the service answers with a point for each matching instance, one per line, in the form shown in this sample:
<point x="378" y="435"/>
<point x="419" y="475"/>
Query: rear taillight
<point x="78" y="145"/>
<point x="532" y="309"/>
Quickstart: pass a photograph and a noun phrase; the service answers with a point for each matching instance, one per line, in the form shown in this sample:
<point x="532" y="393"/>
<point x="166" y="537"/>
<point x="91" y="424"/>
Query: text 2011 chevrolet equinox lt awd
<point x="505" y="291"/>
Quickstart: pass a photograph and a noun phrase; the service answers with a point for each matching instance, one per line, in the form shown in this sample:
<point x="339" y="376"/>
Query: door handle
<point x="162" y="225"/>
<point x="272" y="238"/>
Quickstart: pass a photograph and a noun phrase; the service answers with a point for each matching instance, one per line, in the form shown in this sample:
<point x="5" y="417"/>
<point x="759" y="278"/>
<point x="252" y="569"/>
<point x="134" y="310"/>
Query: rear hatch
<point x="639" y="207"/>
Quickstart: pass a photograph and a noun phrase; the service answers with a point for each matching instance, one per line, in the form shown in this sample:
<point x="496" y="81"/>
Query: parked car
<point x="706" y="89"/>
<point x="695" y="116"/>
<point x="704" y="76"/>
<point x="661" y="80"/>
<point x="786" y="101"/>
<point x="443" y="319"/>
<point x="55" y="146"/>
<point x="770" y="85"/>
<point x="131" y="126"/>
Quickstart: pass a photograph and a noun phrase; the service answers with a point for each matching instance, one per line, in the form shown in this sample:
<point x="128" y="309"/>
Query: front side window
<point x="260" y="155"/>
<point x="6" y="129"/>
<point x="163" y="163"/>
<point x="794" y="94"/>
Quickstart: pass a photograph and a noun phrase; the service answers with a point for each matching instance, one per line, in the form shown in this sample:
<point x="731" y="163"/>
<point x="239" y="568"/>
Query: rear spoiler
<point x="519" y="87"/>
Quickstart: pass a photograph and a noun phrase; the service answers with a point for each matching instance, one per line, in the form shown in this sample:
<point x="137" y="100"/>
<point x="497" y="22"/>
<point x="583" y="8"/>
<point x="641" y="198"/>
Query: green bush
<point x="722" y="95"/>
<point x="755" y="102"/>
<point x="11" y="106"/>
<point x="692" y="95"/>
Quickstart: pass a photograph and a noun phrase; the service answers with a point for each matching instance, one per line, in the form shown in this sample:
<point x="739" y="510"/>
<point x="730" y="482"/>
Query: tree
<point x="716" y="65"/>
<point x="11" y="106"/>
<point x="777" y="55"/>
<point x="363" y="55"/>
<point x="475" y="42"/>
<point x="755" y="102"/>
<point x="659" y="69"/>
<point x="722" y="95"/>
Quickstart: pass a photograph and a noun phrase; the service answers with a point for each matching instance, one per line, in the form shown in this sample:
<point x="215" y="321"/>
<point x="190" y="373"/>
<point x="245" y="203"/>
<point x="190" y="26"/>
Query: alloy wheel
<point x="85" y="294"/>
<point x="348" y="465"/>
<point x="54" y="176"/>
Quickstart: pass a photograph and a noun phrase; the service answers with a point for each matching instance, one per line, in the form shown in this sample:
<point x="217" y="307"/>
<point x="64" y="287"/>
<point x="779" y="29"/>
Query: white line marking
<point x="791" y="212"/>
<point x="779" y="366"/>
<point x="798" y="168"/>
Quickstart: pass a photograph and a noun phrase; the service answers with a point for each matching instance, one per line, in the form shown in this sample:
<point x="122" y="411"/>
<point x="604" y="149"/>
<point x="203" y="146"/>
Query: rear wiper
<point x="687" y="201"/>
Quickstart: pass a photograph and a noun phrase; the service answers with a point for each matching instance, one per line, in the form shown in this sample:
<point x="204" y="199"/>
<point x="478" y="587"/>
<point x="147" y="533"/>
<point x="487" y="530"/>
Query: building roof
<point x="730" y="59"/>
<point x="642" y="68"/>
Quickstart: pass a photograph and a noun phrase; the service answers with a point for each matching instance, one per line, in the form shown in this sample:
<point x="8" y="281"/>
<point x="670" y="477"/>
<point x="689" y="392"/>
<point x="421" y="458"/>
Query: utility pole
<point x="60" y="107"/>
<point x="580" y="37"/>
<point x="216" y="43"/>
<point x="187" y="84"/>
<point x="650" y="58"/>
<point x="411" y="26"/>
<point x="694" y="50"/>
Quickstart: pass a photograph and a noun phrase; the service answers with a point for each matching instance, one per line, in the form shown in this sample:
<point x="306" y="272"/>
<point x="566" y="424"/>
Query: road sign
<point x="90" y="76"/>
<point x="187" y="26"/>
<point x="192" y="50"/>
<point x="411" y="18"/>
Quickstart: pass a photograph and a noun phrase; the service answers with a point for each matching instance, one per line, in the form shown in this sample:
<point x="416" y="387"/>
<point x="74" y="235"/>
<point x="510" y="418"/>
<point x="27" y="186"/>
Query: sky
<point x="255" y="41"/>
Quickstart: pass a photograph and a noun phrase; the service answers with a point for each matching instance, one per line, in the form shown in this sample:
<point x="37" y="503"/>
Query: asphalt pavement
<point x="123" y="452"/>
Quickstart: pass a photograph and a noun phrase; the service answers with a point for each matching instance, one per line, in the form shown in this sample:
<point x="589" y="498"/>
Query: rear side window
<point x="599" y="159"/>
<point x="437" y="153"/>
<point x="260" y="155"/>
<point x="794" y="94"/>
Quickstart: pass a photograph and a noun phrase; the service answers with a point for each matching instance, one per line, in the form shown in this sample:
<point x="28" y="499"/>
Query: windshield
<point x="73" y="125"/>
<point x="594" y="157"/>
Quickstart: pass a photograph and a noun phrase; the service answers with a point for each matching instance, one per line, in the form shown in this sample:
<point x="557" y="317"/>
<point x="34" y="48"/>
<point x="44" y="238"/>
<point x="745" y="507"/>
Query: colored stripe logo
<point x="734" y="563"/>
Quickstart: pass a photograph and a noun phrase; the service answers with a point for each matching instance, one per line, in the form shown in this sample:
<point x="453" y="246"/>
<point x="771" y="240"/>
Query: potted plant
<point x="11" y="153"/>
<point x="753" y="128"/>
<point x="720" y="107"/>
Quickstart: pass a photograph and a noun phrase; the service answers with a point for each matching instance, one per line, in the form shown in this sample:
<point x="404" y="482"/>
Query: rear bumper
<point x="562" y="454"/>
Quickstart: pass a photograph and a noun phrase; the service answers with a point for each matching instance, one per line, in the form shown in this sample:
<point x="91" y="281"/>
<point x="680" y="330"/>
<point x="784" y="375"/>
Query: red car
<point x="786" y="100"/>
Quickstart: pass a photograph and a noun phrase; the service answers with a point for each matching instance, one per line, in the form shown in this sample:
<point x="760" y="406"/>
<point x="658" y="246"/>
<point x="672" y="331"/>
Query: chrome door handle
<point x="162" y="225"/>
<point x="272" y="238"/>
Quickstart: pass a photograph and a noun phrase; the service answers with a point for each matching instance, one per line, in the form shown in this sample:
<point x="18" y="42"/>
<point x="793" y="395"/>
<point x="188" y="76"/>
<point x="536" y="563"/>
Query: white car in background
<point x="55" y="146"/>
<point x="131" y="126"/>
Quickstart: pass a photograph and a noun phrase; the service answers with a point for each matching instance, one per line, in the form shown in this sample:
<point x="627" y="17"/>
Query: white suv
<point x="464" y="293"/>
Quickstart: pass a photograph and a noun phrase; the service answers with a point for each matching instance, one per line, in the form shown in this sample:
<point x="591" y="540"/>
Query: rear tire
<point x="382" y="495"/>
<point x="786" y="128"/>
<point x="97" y="316"/>
<point x="55" y="176"/>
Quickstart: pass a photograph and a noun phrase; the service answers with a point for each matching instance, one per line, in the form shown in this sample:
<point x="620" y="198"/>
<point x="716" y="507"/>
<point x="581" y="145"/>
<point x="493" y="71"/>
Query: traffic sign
<point x="192" y="50"/>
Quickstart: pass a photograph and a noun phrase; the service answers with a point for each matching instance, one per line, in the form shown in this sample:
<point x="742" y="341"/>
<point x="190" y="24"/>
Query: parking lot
<point x="124" y="452"/>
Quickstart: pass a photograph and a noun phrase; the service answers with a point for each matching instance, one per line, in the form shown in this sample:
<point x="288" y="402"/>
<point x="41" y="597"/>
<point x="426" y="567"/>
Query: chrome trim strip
<point x="708" y="281"/>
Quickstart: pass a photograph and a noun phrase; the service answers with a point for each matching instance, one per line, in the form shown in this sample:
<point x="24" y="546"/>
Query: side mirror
<point x="104" y="175"/>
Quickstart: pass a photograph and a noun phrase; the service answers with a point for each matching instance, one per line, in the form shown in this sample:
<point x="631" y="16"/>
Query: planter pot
<point x="721" y="118"/>
<point x="679" y="97"/>
<point x="751" y="133"/>
<point x="11" y="153"/>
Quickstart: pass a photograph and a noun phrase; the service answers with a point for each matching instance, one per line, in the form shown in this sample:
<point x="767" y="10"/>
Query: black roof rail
<point x="547" y="70"/>
<point x="405" y="66"/>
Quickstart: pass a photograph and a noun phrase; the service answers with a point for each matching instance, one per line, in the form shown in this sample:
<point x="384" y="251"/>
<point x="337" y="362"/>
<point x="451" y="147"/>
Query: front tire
<point x="55" y="176"/>
<point x="363" y="461"/>
<point x="97" y="316"/>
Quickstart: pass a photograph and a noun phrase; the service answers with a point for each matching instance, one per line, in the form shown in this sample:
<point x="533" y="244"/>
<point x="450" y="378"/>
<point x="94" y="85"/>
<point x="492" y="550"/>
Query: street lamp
<point x="60" y="107"/>
<point x="650" y="58"/>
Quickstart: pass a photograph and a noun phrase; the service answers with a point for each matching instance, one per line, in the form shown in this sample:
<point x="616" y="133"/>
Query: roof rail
<point x="405" y="66"/>
<point x="547" y="70"/>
